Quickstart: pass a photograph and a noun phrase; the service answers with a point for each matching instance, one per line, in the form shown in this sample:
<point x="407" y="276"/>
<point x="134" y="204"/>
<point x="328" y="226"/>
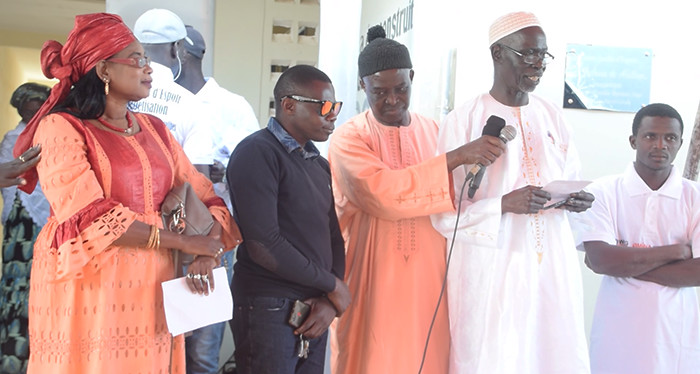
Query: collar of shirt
<point x="673" y="187"/>
<point x="289" y="143"/>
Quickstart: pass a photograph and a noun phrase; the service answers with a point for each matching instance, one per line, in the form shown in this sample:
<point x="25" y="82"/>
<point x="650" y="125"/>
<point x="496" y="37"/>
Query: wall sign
<point x="607" y="78"/>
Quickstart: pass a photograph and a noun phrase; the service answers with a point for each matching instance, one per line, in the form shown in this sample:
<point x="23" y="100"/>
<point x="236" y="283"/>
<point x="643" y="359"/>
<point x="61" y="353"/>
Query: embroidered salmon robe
<point x="95" y="307"/>
<point x="387" y="181"/>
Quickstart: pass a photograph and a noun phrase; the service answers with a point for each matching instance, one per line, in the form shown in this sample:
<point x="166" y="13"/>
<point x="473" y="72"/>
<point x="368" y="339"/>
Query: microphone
<point x="493" y="128"/>
<point x="505" y="133"/>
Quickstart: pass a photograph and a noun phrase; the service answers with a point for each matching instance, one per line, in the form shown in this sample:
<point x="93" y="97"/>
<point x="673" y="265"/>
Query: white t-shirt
<point x="642" y="327"/>
<point x="231" y="118"/>
<point x="181" y="112"/>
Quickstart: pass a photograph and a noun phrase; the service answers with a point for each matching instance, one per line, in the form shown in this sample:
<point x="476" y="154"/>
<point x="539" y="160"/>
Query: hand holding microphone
<point x="495" y="129"/>
<point x="505" y="134"/>
<point x="484" y="150"/>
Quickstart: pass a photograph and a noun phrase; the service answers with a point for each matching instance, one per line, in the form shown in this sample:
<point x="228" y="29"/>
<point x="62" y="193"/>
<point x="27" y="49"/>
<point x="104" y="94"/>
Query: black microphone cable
<point x="447" y="267"/>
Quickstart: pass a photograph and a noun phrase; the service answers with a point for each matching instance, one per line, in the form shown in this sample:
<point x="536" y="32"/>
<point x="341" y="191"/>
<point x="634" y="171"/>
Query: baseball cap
<point x="194" y="42"/>
<point x="158" y="26"/>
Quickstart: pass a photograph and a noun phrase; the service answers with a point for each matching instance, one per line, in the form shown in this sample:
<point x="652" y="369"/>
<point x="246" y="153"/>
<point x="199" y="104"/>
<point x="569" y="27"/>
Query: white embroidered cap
<point x="510" y="23"/>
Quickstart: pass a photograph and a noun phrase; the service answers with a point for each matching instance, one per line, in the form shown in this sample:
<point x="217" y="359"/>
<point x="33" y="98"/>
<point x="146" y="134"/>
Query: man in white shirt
<point x="231" y="119"/>
<point x="642" y="232"/>
<point x="230" y="116"/>
<point x="162" y="34"/>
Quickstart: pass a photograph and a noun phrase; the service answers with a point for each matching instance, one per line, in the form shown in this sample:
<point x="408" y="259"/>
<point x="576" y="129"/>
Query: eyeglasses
<point x="532" y="56"/>
<point x="137" y="62"/>
<point x="326" y="106"/>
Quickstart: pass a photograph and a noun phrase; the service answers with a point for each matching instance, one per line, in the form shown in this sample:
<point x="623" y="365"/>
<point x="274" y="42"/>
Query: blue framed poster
<point x="607" y="78"/>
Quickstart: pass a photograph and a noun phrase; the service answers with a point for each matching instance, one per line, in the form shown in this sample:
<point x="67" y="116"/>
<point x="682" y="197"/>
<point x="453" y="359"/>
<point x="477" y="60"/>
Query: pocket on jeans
<point x="270" y="304"/>
<point x="269" y="313"/>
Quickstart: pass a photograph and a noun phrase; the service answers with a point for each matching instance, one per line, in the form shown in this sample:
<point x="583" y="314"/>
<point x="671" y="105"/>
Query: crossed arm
<point x="668" y="265"/>
<point x="685" y="273"/>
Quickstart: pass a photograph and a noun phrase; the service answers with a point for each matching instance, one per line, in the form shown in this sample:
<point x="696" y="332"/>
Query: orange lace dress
<point x="95" y="307"/>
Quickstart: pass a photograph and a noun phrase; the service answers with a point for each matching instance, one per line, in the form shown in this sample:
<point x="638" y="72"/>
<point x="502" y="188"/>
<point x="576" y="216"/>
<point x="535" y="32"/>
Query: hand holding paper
<point x="186" y="311"/>
<point x="525" y="200"/>
<point x="569" y="195"/>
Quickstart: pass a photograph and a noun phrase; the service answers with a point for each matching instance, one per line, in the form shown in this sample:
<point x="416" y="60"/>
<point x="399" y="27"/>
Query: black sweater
<point x="283" y="203"/>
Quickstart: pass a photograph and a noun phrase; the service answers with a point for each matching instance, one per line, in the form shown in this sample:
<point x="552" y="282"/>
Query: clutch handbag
<point x="185" y="214"/>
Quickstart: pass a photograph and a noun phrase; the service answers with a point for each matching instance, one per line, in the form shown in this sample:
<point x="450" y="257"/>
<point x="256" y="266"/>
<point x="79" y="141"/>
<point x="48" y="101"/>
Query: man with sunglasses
<point x="293" y="249"/>
<point x="387" y="181"/>
<point x="162" y="34"/>
<point x="514" y="285"/>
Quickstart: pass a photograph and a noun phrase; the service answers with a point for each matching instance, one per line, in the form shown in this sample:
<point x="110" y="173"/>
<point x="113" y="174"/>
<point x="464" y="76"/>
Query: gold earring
<point x="106" y="86"/>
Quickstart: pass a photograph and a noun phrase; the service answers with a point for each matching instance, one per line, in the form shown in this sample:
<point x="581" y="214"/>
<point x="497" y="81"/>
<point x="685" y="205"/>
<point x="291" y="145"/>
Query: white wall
<point x="601" y="137"/>
<point x="238" y="49"/>
<point x="338" y="42"/>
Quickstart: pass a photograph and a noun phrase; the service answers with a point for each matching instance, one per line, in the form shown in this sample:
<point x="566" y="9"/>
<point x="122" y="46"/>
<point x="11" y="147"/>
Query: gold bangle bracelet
<point x="150" y="237"/>
<point x="157" y="243"/>
<point x="153" y="237"/>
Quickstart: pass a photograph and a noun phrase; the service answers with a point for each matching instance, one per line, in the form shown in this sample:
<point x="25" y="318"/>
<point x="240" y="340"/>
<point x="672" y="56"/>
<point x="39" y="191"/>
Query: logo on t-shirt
<point x="625" y="243"/>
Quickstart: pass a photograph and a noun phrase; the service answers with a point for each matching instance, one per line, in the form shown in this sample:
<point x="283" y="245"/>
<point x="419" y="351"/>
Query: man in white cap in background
<point x="514" y="284"/>
<point x="162" y="34"/>
<point x="230" y="116"/>
<point x="231" y="119"/>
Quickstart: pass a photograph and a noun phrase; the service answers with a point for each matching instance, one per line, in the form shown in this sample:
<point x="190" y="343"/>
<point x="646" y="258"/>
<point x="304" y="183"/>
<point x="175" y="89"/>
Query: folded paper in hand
<point x="186" y="311"/>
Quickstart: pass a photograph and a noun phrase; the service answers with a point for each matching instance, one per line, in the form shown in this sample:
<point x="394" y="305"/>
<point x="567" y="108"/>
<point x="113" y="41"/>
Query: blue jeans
<point x="203" y="346"/>
<point x="266" y="344"/>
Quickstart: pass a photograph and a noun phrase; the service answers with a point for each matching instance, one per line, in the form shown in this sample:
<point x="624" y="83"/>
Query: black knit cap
<point x="382" y="53"/>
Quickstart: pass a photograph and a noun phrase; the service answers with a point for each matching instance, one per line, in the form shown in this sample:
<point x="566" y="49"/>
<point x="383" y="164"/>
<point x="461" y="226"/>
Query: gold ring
<point x="21" y="158"/>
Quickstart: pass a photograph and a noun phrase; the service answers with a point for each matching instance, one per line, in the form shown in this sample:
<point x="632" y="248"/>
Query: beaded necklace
<point x="129" y="125"/>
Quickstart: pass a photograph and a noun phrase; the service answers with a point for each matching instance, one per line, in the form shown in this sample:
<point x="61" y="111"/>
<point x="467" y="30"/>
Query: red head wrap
<point x="94" y="37"/>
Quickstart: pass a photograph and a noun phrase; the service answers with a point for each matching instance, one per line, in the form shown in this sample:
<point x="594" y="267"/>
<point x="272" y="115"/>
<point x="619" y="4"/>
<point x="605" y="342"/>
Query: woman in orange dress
<point x="95" y="299"/>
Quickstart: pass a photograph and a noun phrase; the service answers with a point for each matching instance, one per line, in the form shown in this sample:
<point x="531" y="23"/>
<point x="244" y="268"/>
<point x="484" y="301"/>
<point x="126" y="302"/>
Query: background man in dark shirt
<point x="293" y="249"/>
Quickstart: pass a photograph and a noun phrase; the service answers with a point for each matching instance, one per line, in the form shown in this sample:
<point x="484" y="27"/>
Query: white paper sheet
<point x="186" y="311"/>
<point x="561" y="190"/>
